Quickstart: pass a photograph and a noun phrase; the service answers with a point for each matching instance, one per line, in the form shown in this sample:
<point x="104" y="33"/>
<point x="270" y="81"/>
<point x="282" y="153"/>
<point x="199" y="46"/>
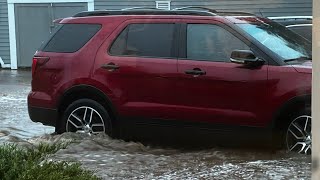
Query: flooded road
<point x="14" y="118"/>
<point x="116" y="159"/>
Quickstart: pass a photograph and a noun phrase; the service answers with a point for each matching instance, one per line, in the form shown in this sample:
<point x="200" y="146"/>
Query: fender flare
<point x="304" y="99"/>
<point x="92" y="90"/>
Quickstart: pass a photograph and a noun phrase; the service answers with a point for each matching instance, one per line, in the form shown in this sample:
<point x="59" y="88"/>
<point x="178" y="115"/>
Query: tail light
<point x="37" y="62"/>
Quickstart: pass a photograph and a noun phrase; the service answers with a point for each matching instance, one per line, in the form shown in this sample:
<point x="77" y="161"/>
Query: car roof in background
<point x="290" y="17"/>
<point x="293" y="20"/>
<point x="298" y="25"/>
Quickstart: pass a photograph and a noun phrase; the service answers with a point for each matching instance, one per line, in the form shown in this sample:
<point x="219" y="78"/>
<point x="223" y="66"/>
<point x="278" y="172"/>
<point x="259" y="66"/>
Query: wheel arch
<point x="283" y="114"/>
<point x="86" y="91"/>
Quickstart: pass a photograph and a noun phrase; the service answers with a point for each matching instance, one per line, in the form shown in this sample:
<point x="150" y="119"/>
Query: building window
<point x="163" y="5"/>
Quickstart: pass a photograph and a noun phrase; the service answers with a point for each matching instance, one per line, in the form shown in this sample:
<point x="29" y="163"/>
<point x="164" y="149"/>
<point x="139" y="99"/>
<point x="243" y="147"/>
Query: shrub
<point x="30" y="164"/>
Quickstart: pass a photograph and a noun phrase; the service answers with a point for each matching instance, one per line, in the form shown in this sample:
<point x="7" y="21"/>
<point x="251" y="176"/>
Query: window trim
<point x="174" y="52"/>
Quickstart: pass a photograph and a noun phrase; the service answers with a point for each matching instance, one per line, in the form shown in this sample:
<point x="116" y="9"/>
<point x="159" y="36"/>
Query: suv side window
<point x="211" y="42"/>
<point x="70" y="38"/>
<point x="146" y="40"/>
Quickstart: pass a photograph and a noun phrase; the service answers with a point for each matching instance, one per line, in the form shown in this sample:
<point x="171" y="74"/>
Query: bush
<point x="30" y="164"/>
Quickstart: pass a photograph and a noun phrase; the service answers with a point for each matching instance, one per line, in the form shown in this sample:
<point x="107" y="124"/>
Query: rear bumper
<point x="45" y="116"/>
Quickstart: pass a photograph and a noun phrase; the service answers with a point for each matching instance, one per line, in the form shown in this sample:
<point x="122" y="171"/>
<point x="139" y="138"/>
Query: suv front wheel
<point x="85" y="116"/>
<point x="298" y="135"/>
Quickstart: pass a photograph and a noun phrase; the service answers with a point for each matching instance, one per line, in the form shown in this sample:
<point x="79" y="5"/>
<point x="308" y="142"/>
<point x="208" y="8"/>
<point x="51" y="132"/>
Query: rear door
<point x="139" y="67"/>
<point x="222" y="92"/>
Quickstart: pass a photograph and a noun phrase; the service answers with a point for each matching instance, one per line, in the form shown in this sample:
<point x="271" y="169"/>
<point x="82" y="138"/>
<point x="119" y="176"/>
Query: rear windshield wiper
<point x="298" y="59"/>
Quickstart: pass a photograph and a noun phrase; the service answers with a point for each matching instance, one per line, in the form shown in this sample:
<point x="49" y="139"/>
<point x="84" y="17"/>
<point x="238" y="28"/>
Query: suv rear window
<point x="147" y="40"/>
<point x="71" y="37"/>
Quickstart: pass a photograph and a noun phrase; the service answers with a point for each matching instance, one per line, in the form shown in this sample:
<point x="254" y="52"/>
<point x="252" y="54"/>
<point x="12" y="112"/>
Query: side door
<point x="139" y="65"/>
<point x="223" y="92"/>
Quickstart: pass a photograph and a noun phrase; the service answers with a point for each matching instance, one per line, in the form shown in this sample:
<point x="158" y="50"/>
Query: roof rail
<point x="140" y="8"/>
<point x="234" y="13"/>
<point x="213" y="11"/>
<point x="195" y="8"/>
<point x="189" y="10"/>
<point x="143" y="12"/>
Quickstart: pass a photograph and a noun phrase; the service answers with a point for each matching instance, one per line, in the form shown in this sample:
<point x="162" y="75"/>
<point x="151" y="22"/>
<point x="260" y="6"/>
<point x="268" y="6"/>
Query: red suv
<point x="223" y="70"/>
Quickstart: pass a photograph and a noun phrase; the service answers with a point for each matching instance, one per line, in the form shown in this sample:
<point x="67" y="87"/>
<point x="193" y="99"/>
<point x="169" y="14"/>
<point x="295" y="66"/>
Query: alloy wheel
<point x="86" y="120"/>
<point x="298" y="136"/>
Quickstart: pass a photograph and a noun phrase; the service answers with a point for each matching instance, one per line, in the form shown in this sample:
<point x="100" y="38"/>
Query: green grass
<point x="30" y="164"/>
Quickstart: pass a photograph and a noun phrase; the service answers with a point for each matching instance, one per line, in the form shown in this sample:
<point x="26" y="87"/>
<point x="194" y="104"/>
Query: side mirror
<point x="245" y="57"/>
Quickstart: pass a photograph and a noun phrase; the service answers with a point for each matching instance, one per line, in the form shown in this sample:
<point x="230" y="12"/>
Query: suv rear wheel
<point x="298" y="134"/>
<point x="86" y="116"/>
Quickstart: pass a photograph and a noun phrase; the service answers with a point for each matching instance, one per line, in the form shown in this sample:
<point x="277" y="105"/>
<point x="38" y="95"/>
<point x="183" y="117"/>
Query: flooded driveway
<point x="116" y="159"/>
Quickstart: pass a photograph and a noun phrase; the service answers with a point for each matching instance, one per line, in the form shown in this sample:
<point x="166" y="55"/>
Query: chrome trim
<point x="237" y="61"/>
<point x="139" y="8"/>
<point x="196" y="9"/>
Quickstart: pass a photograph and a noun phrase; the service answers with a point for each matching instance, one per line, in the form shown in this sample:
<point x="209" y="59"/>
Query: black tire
<point x="61" y="127"/>
<point x="301" y="114"/>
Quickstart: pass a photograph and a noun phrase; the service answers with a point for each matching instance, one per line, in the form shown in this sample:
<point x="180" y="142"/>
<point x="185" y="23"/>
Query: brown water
<point x="116" y="159"/>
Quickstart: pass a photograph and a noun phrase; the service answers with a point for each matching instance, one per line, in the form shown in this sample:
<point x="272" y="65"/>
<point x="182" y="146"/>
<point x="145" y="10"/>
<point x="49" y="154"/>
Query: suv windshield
<point x="282" y="41"/>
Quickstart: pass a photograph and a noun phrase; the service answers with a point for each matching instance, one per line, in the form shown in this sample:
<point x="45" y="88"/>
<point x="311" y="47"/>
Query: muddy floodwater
<point x="116" y="159"/>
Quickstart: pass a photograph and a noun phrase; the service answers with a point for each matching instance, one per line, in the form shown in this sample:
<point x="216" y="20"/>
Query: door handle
<point x="195" y="72"/>
<point x="110" y="66"/>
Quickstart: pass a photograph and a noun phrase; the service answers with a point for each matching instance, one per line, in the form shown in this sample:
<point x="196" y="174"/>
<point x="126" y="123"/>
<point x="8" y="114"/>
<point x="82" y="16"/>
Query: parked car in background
<point x="299" y="24"/>
<point x="230" y="72"/>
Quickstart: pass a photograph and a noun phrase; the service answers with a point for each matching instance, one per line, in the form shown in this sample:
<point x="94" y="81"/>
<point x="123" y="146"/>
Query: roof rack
<point x="189" y="10"/>
<point x="141" y="8"/>
<point x="235" y="13"/>
<point x="143" y="12"/>
<point x="195" y="8"/>
<point x="216" y="12"/>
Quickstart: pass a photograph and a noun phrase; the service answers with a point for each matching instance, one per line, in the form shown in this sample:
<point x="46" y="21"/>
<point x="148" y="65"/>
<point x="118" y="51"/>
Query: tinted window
<point x="211" y="42"/>
<point x="150" y="40"/>
<point x="56" y="28"/>
<point x="304" y="31"/>
<point x="71" y="37"/>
